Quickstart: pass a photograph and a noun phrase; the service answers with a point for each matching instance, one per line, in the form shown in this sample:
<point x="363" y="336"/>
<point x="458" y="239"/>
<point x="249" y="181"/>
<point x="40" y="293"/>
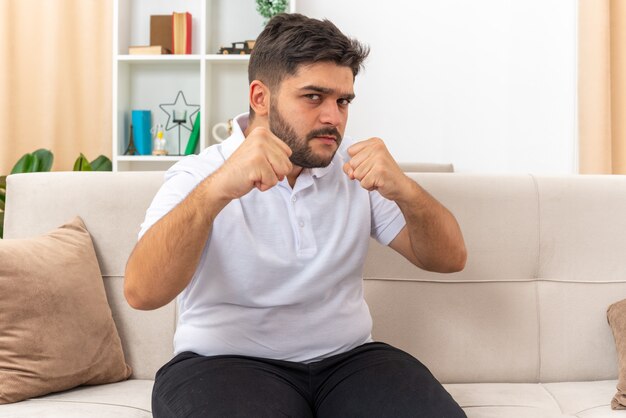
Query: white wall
<point x="489" y="85"/>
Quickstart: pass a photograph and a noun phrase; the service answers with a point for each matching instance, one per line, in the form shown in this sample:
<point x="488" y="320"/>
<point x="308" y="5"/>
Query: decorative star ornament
<point x="179" y="105"/>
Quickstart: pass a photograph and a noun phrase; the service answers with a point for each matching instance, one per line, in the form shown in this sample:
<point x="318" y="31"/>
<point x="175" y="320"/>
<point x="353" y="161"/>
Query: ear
<point x="259" y="98"/>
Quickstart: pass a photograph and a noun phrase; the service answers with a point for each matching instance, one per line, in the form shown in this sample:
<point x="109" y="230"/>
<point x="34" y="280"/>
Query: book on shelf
<point x="141" y="120"/>
<point x="192" y="144"/>
<point x="148" y="50"/>
<point x="181" y="33"/>
<point x="161" y="31"/>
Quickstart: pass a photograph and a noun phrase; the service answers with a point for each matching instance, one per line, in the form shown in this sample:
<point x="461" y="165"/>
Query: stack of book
<point x="168" y="34"/>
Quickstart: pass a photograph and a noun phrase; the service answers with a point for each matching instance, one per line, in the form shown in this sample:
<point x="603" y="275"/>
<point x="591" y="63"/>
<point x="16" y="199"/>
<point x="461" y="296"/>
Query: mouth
<point x="324" y="139"/>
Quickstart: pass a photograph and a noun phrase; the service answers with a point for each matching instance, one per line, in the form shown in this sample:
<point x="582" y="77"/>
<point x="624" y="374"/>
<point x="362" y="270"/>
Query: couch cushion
<point x="57" y="331"/>
<point x="578" y="397"/>
<point x="535" y="400"/>
<point x="481" y="400"/>
<point x="129" y="399"/>
<point x="481" y="324"/>
<point x="574" y="330"/>
<point x="421" y="167"/>
<point x="581" y="272"/>
<point x="460" y="339"/>
<point x="115" y="208"/>
<point x="518" y="397"/>
<point x="498" y="217"/>
<point x="147" y="336"/>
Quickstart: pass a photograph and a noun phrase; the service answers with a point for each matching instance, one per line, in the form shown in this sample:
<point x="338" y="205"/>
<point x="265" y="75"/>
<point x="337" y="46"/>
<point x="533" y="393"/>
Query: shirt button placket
<point x="300" y="221"/>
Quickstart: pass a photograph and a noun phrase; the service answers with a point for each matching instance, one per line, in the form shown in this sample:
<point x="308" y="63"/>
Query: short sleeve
<point x="171" y="193"/>
<point x="387" y="219"/>
<point x="180" y="180"/>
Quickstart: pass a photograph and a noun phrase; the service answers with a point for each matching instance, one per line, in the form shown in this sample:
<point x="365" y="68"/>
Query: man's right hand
<point x="261" y="161"/>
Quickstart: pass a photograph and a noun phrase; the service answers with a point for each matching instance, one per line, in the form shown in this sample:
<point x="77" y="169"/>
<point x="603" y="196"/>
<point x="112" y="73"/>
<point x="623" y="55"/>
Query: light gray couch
<point x="521" y="332"/>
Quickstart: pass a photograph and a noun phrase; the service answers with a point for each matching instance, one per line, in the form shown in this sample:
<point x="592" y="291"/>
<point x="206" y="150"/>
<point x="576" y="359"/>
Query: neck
<point x="263" y="122"/>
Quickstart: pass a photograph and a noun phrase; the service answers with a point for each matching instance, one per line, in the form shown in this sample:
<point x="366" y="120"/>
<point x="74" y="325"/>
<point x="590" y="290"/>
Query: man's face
<point x="310" y="111"/>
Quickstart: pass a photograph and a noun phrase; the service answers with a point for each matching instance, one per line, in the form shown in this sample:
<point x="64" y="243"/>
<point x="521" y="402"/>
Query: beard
<point x="302" y="155"/>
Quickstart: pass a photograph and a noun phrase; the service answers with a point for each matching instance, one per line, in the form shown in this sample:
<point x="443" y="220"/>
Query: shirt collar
<point x="240" y="124"/>
<point x="322" y="171"/>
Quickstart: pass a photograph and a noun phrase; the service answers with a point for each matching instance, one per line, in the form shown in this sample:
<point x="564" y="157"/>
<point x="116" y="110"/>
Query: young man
<point x="263" y="239"/>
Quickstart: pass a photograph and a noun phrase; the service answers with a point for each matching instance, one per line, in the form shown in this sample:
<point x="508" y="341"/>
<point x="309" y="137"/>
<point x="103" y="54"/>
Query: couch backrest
<point x="545" y="261"/>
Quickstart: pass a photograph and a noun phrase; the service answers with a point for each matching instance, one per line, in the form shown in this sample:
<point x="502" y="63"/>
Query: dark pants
<point x="373" y="380"/>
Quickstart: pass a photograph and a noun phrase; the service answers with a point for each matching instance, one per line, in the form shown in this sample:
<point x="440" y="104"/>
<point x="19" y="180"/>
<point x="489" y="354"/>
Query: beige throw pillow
<point x="56" y="328"/>
<point x="616" y="315"/>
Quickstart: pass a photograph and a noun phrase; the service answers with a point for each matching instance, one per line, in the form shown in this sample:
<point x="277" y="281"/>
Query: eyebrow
<point x="326" y="90"/>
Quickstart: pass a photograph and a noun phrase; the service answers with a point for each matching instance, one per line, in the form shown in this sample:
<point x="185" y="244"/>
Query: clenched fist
<point x="261" y="161"/>
<point x="374" y="167"/>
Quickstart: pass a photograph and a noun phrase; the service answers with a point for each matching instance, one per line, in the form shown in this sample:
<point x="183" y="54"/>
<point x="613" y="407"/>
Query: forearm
<point x="166" y="257"/>
<point x="435" y="237"/>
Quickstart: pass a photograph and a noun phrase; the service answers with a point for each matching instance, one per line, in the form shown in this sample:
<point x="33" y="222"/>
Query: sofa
<point x="520" y="332"/>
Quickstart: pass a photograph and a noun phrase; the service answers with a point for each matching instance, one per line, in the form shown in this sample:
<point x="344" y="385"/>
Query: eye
<point x="344" y="102"/>
<point x="314" y="97"/>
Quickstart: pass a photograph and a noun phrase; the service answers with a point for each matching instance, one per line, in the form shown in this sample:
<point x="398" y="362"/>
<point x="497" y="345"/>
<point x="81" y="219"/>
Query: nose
<point x="331" y="114"/>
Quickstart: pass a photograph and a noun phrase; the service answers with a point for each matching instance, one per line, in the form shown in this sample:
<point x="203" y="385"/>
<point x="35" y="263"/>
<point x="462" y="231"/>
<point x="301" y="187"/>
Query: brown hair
<point x="290" y="40"/>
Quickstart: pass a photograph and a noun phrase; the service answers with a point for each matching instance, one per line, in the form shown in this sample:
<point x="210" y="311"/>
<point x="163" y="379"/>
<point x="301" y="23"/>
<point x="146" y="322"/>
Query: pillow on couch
<point x="616" y="315"/>
<point x="56" y="327"/>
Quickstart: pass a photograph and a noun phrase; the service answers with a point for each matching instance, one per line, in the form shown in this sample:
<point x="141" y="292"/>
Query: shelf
<point x="145" y="158"/>
<point x="217" y="83"/>
<point x="132" y="23"/>
<point x="227" y="58"/>
<point x="159" y="58"/>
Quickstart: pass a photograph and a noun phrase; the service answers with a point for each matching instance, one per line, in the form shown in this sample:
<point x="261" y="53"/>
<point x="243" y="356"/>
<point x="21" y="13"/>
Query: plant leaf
<point x="24" y="164"/>
<point x="3" y="190"/>
<point x="40" y="160"/>
<point x="45" y="158"/>
<point x="81" y="164"/>
<point x="102" y="163"/>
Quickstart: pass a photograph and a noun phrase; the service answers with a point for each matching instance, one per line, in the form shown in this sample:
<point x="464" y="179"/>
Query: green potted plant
<point x="41" y="161"/>
<point x="270" y="8"/>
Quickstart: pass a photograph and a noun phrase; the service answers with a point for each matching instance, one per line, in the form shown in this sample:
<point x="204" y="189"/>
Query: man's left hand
<point x="374" y="167"/>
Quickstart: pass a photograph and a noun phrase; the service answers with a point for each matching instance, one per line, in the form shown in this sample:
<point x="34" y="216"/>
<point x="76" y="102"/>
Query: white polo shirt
<point x="281" y="274"/>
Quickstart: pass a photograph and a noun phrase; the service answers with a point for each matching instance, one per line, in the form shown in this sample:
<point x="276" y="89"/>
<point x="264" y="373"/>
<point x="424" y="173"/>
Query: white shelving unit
<point x="217" y="83"/>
